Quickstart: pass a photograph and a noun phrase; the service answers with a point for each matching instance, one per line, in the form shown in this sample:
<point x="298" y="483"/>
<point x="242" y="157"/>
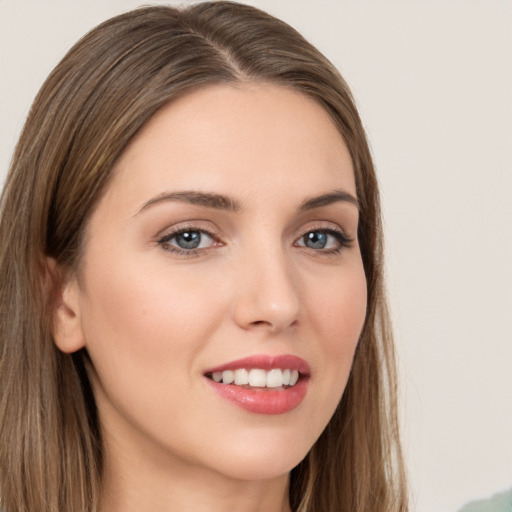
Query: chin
<point x="260" y="468"/>
<point x="259" y="457"/>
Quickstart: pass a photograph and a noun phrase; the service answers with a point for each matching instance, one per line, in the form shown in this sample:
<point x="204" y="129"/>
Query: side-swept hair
<point x="93" y="103"/>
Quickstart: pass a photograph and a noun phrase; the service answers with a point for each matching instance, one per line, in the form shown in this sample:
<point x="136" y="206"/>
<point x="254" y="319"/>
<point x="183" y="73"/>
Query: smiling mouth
<point x="257" y="378"/>
<point x="262" y="384"/>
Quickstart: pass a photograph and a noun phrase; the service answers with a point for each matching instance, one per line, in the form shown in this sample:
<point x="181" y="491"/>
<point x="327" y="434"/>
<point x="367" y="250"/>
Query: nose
<point x="267" y="296"/>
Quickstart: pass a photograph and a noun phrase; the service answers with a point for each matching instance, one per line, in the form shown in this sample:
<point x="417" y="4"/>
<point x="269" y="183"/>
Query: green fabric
<point x="501" y="502"/>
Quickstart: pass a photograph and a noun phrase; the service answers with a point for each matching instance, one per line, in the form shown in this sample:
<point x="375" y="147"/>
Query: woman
<point x="192" y="311"/>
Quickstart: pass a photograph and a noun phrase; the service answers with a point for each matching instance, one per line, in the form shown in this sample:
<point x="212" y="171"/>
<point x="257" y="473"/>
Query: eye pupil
<point x="315" y="240"/>
<point x="188" y="239"/>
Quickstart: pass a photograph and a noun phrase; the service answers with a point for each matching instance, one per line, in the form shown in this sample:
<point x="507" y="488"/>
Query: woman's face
<point x="228" y="232"/>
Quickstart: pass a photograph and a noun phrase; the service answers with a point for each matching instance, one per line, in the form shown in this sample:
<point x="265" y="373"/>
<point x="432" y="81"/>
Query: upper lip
<point x="265" y="362"/>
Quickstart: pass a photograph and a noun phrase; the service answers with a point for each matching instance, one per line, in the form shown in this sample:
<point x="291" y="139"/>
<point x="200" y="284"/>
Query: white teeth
<point x="258" y="378"/>
<point x="241" y="377"/>
<point x="228" y="376"/>
<point x="274" y="378"/>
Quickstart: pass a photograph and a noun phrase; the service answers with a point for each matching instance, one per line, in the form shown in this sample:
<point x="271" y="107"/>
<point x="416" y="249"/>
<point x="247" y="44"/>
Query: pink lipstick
<point x="262" y="384"/>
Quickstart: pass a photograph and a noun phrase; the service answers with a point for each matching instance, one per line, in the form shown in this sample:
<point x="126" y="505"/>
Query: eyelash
<point x="164" y="241"/>
<point x="343" y="240"/>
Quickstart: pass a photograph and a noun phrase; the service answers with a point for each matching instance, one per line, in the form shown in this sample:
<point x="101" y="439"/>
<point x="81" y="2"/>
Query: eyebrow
<point x="221" y="202"/>
<point x="327" y="199"/>
<point x="216" y="201"/>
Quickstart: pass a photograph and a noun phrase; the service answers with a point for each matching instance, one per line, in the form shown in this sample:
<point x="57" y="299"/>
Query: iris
<point x="315" y="240"/>
<point x="188" y="239"/>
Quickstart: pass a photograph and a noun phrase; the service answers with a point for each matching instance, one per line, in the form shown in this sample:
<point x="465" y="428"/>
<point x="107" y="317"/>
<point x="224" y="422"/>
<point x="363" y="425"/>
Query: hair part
<point x="89" y="109"/>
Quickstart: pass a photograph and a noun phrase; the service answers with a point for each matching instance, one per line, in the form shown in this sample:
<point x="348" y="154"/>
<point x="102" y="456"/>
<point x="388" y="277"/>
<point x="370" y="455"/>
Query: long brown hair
<point x="90" y="107"/>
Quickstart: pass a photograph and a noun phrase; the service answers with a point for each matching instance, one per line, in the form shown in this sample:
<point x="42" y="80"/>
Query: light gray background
<point x="433" y="81"/>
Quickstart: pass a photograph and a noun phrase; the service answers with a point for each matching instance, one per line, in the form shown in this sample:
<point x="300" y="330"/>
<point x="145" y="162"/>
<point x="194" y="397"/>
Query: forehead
<point x="246" y="137"/>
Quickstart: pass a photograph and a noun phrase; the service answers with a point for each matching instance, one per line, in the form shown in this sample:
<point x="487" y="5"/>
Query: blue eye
<point x="187" y="240"/>
<point x="327" y="240"/>
<point x="315" y="240"/>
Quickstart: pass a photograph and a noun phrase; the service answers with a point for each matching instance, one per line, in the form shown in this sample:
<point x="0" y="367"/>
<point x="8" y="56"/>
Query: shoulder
<point x="501" y="502"/>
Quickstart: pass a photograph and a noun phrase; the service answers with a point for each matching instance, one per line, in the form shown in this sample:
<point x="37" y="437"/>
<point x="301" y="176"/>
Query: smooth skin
<point x="174" y="280"/>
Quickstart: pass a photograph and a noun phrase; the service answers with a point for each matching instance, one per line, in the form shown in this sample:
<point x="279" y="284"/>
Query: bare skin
<point x="260" y="178"/>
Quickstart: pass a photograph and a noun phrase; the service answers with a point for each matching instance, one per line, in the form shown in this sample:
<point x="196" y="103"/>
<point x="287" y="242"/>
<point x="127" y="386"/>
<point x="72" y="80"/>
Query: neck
<point x="152" y="482"/>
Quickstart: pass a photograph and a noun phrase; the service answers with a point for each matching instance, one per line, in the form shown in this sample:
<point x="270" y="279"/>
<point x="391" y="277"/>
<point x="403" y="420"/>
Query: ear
<point x="66" y="322"/>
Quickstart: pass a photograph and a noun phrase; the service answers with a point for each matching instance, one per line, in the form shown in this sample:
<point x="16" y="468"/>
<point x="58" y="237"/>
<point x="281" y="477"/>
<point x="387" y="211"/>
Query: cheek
<point x="143" y="323"/>
<point x="144" y="334"/>
<point x="340" y="311"/>
<point x="338" y="316"/>
<point x="147" y="301"/>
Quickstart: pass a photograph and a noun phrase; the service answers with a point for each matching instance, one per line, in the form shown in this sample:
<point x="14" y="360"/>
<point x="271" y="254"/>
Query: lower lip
<point x="264" y="400"/>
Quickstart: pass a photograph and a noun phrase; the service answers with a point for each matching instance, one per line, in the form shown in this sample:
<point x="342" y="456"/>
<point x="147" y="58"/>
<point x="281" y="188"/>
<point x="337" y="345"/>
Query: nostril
<point x="261" y="323"/>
